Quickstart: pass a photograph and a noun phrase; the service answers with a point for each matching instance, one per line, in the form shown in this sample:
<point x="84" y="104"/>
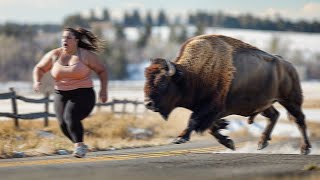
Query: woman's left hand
<point x="103" y="96"/>
<point x="36" y="87"/>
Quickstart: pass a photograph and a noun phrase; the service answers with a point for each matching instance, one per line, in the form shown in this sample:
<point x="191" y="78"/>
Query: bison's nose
<point x="149" y="105"/>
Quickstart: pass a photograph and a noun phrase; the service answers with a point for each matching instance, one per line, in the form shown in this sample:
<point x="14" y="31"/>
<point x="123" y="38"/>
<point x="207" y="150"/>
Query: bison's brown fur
<point x="216" y="76"/>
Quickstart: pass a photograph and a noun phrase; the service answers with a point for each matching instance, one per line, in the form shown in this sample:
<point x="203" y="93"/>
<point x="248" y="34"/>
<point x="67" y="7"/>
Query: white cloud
<point x="273" y="12"/>
<point x="309" y="11"/>
<point x="117" y="13"/>
<point x="6" y="2"/>
<point x="135" y="6"/>
<point x="311" y="8"/>
<point x="32" y="3"/>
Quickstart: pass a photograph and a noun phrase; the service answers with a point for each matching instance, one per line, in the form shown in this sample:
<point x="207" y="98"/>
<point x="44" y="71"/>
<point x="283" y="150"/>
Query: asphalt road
<point x="194" y="160"/>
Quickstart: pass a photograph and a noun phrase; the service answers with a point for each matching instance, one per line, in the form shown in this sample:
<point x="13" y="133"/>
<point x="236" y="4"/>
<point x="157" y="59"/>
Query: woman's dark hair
<point x="87" y="39"/>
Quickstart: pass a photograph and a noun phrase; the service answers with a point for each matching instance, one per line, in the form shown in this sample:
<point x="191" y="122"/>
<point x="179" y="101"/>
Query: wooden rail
<point x="46" y="101"/>
<point x="16" y="116"/>
<point x="123" y="103"/>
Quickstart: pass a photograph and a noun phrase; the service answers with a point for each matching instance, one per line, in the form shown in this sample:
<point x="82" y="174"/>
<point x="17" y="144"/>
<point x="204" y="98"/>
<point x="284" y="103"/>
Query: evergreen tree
<point x="162" y="19"/>
<point x="143" y="40"/>
<point x="201" y="18"/>
<point x="177" y="20"/>
<point x="119" y="32"/>
<point x="119" y="66"/>
<point x="183" y="36"/>
<point x="92" y="16"/>
<point x="200" y="29"/>
<point x="231" y="22"/>
<point x="127" y="20"/>
<point x="114" y="55"/>
<point x="191" y="19"/>
<point x="76" y="20"/>
<point x="149" y="20"/>
<point x="136" y="19"/>
<point x="173" y="34"/>
<point x="105" y="15"/>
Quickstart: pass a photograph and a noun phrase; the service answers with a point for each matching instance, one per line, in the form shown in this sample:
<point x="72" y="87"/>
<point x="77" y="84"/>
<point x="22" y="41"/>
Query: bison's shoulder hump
<point x="219" y="42"/>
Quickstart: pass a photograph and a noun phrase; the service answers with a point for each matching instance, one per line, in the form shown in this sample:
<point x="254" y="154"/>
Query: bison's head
<point x="162" y="91"/>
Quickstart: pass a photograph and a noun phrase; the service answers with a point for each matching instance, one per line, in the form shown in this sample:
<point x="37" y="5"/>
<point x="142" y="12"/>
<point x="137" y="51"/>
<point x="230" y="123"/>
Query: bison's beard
<point x="165" y="112"/>
<point x="164" y="115"/>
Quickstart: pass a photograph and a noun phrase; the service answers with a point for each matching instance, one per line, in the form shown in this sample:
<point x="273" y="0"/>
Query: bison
<point x="215" y="76"/>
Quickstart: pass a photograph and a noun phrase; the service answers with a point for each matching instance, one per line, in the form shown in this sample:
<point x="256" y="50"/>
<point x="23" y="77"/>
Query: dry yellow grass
<point x="313" y="128"/>
<point x="311" y="103"/>
<point x="102" y="131"/>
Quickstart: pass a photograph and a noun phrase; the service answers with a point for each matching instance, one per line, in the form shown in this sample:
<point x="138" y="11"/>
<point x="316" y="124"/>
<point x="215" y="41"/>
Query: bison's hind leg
<point x="296" y="112"/>
<point x="272" y="114"/>
<point x="214" y="131"/>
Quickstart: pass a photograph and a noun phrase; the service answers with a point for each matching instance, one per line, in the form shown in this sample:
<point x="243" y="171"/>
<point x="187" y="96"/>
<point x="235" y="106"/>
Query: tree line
<point x="200" y="18"/>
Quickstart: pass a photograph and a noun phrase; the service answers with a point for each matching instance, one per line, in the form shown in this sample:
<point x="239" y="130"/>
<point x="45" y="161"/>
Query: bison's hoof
<point x="263" y="145"/>
<point x="305" y="151"/>
<point x="229" y="144"/>
<point x="180" y="140"/>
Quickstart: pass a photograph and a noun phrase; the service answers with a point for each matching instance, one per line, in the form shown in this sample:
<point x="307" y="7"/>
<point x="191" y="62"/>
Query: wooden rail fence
<point x="124" y="103"/>
<point x="46" y="101"/>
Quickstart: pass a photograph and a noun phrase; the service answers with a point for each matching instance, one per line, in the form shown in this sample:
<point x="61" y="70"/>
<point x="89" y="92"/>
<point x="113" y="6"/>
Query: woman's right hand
<point x="36" y="86"/>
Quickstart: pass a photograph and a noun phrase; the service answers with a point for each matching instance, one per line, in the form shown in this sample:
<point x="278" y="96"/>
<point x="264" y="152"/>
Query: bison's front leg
<point x="199" y="121"/>
<point x="184" y="136"/>
<point x="224" y="140"/>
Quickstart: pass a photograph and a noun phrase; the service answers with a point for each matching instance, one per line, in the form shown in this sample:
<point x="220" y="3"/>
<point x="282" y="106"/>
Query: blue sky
<point x="54" y="11"/>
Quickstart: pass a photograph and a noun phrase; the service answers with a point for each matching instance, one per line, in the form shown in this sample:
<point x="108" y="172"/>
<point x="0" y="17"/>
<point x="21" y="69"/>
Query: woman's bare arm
<point x="99" y="68"/>
<point x="43" y="66"/>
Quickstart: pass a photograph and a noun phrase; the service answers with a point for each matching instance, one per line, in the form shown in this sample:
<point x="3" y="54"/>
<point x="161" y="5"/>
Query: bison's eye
<point x="162" y="86"/>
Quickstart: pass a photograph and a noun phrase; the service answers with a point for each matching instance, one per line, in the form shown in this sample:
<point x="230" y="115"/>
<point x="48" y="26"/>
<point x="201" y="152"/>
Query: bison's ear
<point x="157" y="61"/>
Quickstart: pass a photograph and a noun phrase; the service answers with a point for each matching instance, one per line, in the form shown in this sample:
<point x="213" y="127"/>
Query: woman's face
<point x="69" y="41"/>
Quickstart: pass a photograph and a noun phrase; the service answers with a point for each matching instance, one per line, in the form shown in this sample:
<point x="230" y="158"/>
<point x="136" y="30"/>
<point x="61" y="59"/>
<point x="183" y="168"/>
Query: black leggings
<point x="71" y="107"/>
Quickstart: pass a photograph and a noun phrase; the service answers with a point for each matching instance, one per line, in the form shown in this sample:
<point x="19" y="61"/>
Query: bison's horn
<point x="172" y="69"/>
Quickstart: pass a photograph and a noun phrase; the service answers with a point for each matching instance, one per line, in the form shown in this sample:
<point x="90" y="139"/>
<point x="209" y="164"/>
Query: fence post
<point x="98" y="106"/>
<point x="112" y="105"/>
<point x="135" y="111"/>
<point x="46" y="110"/>
<point x="124" y="107"/>
<point x="14" y="107"/>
